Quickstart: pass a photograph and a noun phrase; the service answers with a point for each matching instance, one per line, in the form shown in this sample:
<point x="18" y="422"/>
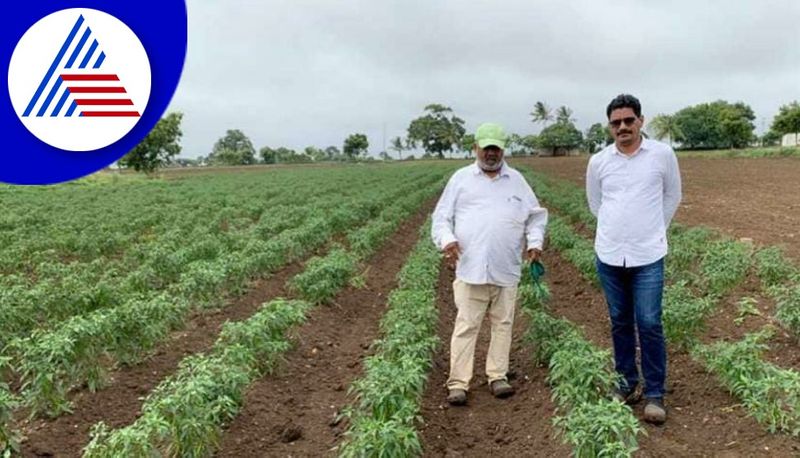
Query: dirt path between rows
<point x="703" y="419"/>
<point x="120" y="402"/>
<point x="292" y="412"/>
<point x="517" y="426"/>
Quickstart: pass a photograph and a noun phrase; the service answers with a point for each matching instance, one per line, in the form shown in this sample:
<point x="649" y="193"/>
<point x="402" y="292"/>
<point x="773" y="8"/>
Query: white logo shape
<point x="79" y="79"/>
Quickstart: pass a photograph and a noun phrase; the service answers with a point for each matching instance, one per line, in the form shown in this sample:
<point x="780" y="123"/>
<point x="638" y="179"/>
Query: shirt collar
<point x="644" y="146"/>
<point x="476" y="170"/>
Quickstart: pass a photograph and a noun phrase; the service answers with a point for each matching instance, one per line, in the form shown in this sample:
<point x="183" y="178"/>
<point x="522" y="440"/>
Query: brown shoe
<point x="654" y="411"/>
<point x="457" y="397"/>
<point x="501" y="389"/>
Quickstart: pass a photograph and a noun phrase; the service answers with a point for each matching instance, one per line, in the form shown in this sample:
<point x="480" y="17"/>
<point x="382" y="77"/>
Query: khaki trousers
<point x="472" y="302"/>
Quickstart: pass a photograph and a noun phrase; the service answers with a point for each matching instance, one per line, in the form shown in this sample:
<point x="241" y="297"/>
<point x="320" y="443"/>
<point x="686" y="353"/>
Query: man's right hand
<point x="451" y="254"/>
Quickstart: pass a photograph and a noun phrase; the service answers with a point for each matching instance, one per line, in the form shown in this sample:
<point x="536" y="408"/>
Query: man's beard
<point x="490" y="168"/>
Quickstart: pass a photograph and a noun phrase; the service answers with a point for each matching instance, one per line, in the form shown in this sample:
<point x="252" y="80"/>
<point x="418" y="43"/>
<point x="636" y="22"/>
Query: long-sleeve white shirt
<point x="491" y="219"/>
<point x="634" y="199"/>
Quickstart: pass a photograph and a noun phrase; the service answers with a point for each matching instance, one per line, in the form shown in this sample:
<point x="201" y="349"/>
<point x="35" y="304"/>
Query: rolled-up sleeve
<point x="443" y="219"/>
<point x="537" y="221"/>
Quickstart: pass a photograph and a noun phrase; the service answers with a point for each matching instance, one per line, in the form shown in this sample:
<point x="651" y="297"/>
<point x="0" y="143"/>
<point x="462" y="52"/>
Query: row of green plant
<point x="704" y="268"/>
<point x="51" y="362"/>
<point x="9" y="441"/>
<point x="61" y="290"/>
<point x="324" y="276"/>
<point x="384" y="417"/>
<point x="180" y="420"/>
<point x="781" y="280"/>
<point x="581" y="378"/>
<point x="771" y="394"/>
<point x="184" y="415"/>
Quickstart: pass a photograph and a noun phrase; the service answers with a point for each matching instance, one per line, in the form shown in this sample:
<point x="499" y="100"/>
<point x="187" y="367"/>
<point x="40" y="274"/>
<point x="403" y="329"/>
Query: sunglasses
<point x="627" y="121"/>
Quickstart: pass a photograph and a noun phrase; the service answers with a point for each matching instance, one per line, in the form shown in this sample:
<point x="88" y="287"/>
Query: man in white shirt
<point x="634" y="188"/>
<point x="486" y="218"/>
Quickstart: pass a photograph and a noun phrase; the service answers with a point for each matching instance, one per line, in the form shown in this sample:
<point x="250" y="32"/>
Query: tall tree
<point x="158" y="147"/>
<point x="355" y="145"/>
<point x="541" y="113"/>
<point x="437" y="131"/>
<point x="787" y="121"/>
<point x="235" y="148"/>
<point x="560" y="137"/>
<point x="564" y="114"/>
<point x="268" y="155"/>
<point x="595" y="138"/>
<point x="398" y="146"/>
<point x="468" y="143"/>
<point x="664" y="126"/>
<point x="715" y="125"/>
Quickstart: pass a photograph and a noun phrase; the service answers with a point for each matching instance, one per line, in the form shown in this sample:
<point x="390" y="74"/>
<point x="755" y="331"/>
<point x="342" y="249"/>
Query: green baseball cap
<point x="490" y="133"/>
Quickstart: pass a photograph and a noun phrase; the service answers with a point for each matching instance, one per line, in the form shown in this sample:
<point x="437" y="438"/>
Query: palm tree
<point x="541" y="113"/>
<point x="663" y="126"/>
<point x="396" y="144"/>
<point x="564" y="114"/>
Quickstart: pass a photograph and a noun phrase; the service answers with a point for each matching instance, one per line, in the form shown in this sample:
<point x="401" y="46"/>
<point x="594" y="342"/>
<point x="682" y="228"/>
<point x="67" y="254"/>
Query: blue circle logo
<point x="85" y="85"/>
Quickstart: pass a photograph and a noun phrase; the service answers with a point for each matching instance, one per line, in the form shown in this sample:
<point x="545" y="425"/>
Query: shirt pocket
<point x="514" y="209"/>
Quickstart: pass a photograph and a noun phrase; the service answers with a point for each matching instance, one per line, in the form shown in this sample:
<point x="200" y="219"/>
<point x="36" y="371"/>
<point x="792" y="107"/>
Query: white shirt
<point x="491" y="219"/>
<point x="634" y="199"/>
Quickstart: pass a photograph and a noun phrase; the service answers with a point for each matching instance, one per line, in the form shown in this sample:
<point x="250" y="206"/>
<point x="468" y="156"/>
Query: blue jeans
<point x="634" y="296"/>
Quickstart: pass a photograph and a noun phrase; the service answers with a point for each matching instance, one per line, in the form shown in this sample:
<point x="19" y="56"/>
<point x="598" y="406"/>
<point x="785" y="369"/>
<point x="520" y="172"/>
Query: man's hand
<point x="533" y="255"/>
<point x="451" y="254"/>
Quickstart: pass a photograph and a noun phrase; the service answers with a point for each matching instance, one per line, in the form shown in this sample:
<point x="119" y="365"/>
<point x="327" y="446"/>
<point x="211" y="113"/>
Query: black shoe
<point x="501" y="389"/>
<point x="630" y="396"/>
<point x="457" y="397"/>
<point x="654" y="411"/>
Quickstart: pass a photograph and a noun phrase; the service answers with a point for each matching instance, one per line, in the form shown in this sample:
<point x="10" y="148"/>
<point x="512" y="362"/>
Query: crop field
<point x="303" y="311"/>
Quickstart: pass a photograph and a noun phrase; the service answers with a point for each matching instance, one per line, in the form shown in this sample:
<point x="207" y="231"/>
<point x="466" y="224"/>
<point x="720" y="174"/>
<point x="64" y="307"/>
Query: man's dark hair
<point x="625" y="101"/>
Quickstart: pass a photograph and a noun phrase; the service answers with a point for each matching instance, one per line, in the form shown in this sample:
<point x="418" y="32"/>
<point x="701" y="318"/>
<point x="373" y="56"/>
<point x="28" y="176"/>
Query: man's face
<point x="490" y="157"/>
<point x="625" y="126"/>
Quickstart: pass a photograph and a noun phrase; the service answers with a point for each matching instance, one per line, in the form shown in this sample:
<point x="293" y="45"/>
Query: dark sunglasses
<point x="627" y="121"/>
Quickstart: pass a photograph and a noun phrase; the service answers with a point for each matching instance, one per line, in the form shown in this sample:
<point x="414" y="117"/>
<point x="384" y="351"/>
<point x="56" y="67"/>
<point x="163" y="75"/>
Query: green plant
<point x="747" y="306"/>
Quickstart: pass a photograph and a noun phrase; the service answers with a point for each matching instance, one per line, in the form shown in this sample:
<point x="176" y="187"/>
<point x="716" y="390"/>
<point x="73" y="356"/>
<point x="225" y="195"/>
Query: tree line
<point x="439" y="131"/>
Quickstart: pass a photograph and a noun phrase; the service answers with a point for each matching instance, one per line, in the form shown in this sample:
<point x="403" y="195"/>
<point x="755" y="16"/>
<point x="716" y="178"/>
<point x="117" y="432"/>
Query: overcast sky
<point x="296" y="73"/>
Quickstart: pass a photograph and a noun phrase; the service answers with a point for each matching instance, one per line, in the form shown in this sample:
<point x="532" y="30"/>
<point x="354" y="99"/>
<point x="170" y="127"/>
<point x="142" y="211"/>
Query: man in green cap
<point x="486" y="218"/>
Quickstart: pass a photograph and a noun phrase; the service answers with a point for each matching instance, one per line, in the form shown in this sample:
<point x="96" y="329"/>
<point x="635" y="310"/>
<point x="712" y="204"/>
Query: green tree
<point x="541" y="113"/>
<point x="787" y="121"/>
<point x="530" y="143"/>
<point x="595" y="138"/>
<point x="715" y="125"/>
<point x="437" y="131"/>
<point x="664" y="126"/>
<point x="355" y="145"/>
<point x="268" y="155"/>
<point x="398" y="146"/>
<point x="468" y="143"/>
<point x="233" y="149"/>
<point x="315" y="154"/>
<point x="333" y="153"/>
<point x="560" y="137"/>
<point x="158" y="147"/>
<point x="564" y="114"/>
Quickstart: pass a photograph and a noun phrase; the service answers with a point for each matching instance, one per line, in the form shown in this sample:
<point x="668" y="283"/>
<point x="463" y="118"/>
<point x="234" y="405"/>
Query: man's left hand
<point x="533" y="255"/>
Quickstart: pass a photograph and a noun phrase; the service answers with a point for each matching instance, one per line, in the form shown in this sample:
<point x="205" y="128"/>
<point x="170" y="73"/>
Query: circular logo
<point x="79" y="79"/>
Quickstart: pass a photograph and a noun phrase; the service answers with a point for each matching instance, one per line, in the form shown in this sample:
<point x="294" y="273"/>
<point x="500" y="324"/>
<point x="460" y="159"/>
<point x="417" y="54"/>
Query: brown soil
<point x="784" y="348"/>
<point x="120" y="402"/>
<point x="703" y="419"/>
<point x="517" y="426"/>
<point x="753" y="198"/>
<point x="293" y="412"/>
